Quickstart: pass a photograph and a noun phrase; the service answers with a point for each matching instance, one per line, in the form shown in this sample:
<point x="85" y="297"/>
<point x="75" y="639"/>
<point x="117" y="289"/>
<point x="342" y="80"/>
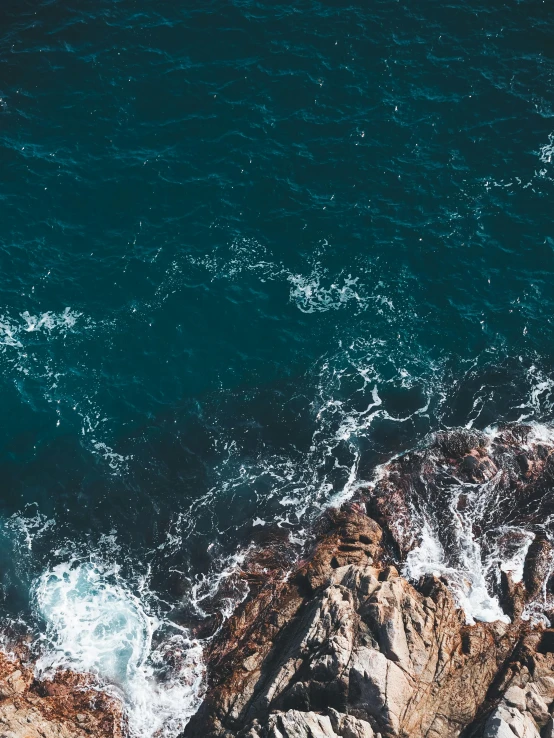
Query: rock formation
<point x="345" y="646"/>
<point x="339" y="644"/>
<point x="67" y="706"/>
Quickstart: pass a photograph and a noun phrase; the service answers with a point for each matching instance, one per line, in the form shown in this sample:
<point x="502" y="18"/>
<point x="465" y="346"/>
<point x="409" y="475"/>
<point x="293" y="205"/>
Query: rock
<point x="507" y="722"/>
<point x="537" y="564"/>
<point x="346" y="644"/>
<point x="379" y="689"/>
<point x="536" y="706"/>
<point x="295" y="724"/>
<point x="68" y="706"/>
<point x="361" y="642"/>
<point x="302" y="724"/>
<point x="515" y="697"/>
<point x="549" y="729"/>
<point x="544" y="686"/>
<point x="348" y="726"/>
<point x="340" y="644"/>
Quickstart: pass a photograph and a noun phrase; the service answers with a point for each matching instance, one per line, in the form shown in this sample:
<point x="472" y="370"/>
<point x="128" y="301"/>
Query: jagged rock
<point x="348" y="726"/>
<point x="298" y="724"/>
<point x="537" y="564"/>
<point x="346" y="644"/>
<point x="341" y="645"/>
<point x="373" y="647"/>
<point x="507" y="722"/>
<point x="294" y="724"/>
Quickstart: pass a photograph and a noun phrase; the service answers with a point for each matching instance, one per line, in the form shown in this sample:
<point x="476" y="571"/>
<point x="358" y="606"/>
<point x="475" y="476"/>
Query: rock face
<point x="66" y="707"/>
<point x="345" y="646"/>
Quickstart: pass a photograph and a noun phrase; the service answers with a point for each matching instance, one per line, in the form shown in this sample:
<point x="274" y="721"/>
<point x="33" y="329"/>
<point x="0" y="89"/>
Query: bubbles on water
<point x="96" y="624"/>
<point x="311" y="296"/>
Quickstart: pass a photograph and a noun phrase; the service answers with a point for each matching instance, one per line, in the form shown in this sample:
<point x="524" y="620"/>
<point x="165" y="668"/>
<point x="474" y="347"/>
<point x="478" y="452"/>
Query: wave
<point x="95" y="624"/>
<point x="466" y="506"/>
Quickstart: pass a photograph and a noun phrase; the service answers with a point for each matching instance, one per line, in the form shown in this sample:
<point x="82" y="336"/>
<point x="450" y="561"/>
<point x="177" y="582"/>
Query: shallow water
<point x="249" y="251"/>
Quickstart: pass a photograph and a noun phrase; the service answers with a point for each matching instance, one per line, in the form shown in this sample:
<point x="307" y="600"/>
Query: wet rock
<point x="512" y="595"/>
<point x="362" y="642"/>
<point x="346" y="646"/>
<point x="537" y="564"/>
<point x="68" y="706"/>
<point x="341" y="644"/>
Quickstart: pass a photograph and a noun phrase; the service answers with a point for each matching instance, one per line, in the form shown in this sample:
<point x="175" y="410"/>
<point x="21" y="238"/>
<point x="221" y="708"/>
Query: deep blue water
<point x="248" y="251"/>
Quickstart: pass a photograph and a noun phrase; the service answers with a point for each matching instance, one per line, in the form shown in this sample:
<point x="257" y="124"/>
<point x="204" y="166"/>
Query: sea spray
<point x="96" y="624"/>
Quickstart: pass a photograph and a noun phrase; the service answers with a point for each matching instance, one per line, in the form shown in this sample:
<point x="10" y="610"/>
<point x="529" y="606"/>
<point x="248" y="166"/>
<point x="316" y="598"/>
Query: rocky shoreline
<point x="344" y="645"/>
<point x="348" y="647"/>
<point x="67" y="706"/>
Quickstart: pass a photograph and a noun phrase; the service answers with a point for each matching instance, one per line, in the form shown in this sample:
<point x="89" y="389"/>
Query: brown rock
<point x="360" y="641"/>
<point x="65" y="707"/>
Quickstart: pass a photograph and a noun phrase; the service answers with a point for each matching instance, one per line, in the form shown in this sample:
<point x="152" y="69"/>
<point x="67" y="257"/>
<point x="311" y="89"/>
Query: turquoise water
<point x="249" y="251"/>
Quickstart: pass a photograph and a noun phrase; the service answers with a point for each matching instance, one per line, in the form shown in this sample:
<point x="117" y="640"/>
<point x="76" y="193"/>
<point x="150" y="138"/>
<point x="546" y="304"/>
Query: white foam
<point x="311" y="296"/>
<point x="96" y="624"/>
<point x="546" y="153"/>
<point x="470" y="567"/>
<point x="12" y="331"/>
<point x="467" y="580"/>
<point x="50" y="321"/>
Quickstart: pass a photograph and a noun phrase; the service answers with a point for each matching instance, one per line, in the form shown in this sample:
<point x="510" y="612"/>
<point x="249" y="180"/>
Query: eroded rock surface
<point x="349" y="645"/>
<point x="341" y="645"/>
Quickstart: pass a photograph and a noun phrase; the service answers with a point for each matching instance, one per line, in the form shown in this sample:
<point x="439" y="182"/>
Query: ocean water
<point x="249" y="251"/>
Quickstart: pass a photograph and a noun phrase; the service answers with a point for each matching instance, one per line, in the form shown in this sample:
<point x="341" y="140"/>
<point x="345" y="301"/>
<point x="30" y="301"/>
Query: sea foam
<point x="95" y="624"/>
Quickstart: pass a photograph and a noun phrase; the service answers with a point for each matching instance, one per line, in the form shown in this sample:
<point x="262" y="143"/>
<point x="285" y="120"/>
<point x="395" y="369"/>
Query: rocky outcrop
<point x="66" y="707"/>
<point x="341" y="645"/>
<point x="345" y="646"/>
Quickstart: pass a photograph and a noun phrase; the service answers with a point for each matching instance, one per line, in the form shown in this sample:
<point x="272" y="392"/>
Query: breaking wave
<point x="466" y="506"/>
<point x="96" y="624"/>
